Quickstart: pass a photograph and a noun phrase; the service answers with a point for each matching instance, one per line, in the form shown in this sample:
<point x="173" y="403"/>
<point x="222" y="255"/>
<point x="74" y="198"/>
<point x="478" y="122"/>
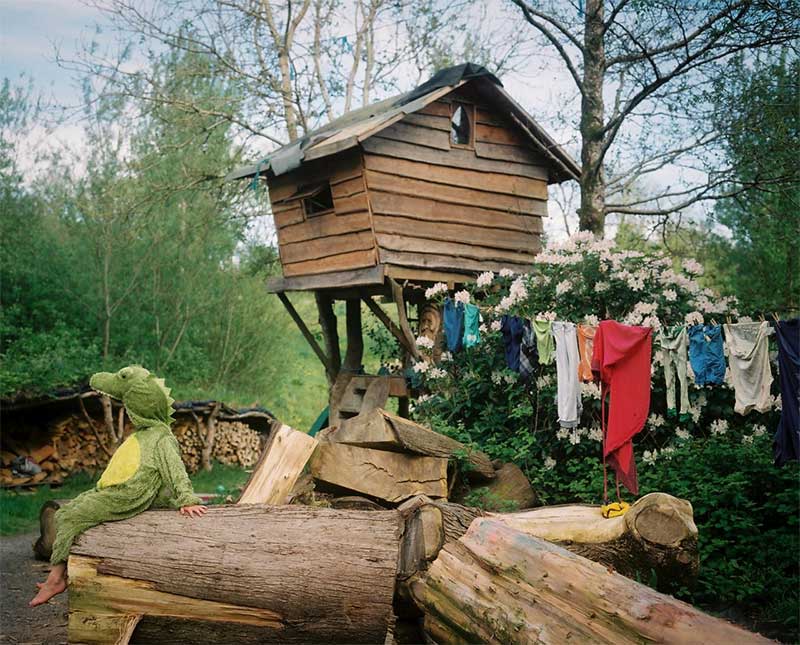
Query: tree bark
<point x="500" y="585"/>
<point x="593" y="186"/>
<point x="244" y="574"/>
<point x="657" y="535"/>
<point x="383" y="430"/>
<point x="330" y="335"/>
<point x="389" y="476"/>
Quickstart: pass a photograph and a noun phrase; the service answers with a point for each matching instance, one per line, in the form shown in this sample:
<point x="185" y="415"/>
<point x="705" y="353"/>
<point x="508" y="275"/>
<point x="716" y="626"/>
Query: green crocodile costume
<point x="145" y="471"/>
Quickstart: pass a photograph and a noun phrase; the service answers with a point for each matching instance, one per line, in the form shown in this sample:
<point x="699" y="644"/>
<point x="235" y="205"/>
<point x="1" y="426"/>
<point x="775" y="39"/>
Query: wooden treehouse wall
<point x="409" y="198"/>
<point x="335" y="241"/>
<point x="444" y="207"/>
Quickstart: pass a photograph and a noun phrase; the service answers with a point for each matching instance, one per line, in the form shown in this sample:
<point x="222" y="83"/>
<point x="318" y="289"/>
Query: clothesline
<point x="584" y="352"/>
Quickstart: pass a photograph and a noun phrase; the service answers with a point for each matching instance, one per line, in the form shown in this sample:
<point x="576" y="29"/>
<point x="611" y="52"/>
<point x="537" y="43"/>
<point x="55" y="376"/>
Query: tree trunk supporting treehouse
<point x="245" y="574"/>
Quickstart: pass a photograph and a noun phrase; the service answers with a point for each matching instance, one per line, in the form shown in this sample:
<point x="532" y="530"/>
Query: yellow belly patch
<point x="123" y="464"/>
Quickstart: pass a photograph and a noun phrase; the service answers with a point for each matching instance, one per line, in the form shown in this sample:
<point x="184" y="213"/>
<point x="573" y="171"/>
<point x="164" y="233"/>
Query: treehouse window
<point x="460" y="125"/>
<point x="317" y="199"/>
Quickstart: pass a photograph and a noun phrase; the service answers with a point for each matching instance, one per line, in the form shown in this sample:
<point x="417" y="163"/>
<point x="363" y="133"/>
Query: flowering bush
<point x="475" y="398"/>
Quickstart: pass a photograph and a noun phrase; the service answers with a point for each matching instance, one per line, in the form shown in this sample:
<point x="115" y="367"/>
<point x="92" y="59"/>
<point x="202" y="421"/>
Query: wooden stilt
<point x="307" y="334"/>
<point x="397" y="295"/>
<point x="381" y="315"/>
<point x="330" y="333"/>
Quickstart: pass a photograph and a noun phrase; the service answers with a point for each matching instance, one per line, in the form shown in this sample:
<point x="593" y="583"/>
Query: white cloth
<point x="569" y="389"/>
<point x="747" y="347"/>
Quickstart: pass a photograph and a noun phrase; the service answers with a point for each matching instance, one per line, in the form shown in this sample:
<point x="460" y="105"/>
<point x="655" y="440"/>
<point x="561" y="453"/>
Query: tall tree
<point x="638" y="68"/>
<point x="299" y="63"/>
<point x="759" y="114"/>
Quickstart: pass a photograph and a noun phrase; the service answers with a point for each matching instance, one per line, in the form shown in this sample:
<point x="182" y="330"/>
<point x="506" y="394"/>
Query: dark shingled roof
<point x="353" y="127"/>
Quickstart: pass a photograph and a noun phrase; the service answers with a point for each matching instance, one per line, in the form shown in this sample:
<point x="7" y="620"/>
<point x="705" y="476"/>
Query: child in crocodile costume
<point x="146" y="470"/>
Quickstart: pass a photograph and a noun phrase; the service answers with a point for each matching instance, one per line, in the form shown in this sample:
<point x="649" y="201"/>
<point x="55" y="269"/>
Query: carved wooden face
<point x="430" y="321"/>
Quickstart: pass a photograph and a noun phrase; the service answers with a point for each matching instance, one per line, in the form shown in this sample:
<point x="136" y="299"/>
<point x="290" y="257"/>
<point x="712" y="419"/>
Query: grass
<point x="19" y="511"/>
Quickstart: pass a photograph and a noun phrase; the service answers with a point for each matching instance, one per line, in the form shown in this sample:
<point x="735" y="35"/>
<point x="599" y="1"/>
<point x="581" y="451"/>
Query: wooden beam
<point x="397" y="295"/>
<point x="381" y="315"/>
<point x="337" y="279"/>
<point x="306" y="332"/>
<point x="330" y="333"/>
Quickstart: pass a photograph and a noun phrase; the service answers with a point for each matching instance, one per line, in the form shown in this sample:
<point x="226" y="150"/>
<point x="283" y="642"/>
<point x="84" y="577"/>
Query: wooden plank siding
<point x="462" y="209"/>
<point x="340" y="240"/>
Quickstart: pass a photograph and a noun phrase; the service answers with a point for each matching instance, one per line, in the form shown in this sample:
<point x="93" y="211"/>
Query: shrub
<point x="746" y="509"/>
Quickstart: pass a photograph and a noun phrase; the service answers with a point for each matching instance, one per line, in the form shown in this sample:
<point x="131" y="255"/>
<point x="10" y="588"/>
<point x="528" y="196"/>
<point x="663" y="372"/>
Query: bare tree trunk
<point x="593" y="186"/>
<point x="330" y="334"/>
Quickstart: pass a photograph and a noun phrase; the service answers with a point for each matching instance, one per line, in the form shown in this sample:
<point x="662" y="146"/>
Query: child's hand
<point x="191" y="511"/>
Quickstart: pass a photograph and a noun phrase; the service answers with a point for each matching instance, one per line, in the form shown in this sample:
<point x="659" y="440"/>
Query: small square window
<point x="317" y="199"/>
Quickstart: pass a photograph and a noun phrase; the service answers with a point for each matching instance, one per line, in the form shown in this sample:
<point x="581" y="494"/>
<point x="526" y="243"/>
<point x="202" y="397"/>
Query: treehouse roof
<point x="357" y="125"/>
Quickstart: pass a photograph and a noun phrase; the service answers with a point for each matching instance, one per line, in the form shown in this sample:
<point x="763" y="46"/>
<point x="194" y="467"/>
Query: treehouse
<point x="435" y="185"/>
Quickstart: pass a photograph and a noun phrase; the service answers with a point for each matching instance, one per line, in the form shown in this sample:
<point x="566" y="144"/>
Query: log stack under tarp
<point x="80" y="430"/>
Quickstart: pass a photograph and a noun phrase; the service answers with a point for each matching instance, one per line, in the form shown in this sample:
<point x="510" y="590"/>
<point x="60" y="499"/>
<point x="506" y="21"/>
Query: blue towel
<point x="706" y="354"/>
<point x="472" y="323"/>
<point x="453" y="324"/>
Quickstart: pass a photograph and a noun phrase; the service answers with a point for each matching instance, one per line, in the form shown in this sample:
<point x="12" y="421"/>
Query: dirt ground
<point x="19" y="571"/>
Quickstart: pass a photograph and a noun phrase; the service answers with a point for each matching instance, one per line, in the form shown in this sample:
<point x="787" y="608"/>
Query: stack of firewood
<point x="236" y="444"/>
<point x="44" y="457"/>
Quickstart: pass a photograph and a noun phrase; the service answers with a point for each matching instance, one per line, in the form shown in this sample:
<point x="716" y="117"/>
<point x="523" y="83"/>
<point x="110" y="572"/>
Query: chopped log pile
<point x="391" y="557"/>
<point x="80" y="431"/>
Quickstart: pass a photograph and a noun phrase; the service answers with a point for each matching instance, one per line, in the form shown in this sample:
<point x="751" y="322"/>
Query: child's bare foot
<point x="47" y="590"/>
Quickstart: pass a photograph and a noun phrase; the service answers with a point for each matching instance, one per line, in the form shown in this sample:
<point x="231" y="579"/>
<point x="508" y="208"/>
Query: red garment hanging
<point x="621" y="360"/>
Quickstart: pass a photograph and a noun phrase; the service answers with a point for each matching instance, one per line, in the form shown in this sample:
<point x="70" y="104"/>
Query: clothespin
<point x="761" y="316"/>
<point x="729" y="319"/>
<point x="775" y="316"/>
<point x="715" y="323"/>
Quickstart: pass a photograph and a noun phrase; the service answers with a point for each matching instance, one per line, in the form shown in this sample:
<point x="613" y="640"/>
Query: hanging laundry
<point x="674" y="343"/>
<point x="472" y="323"/>
<point x="528" y="354"/>
<point x="585" y="346"/>
<point x="706" y="354"/>
<point x="511" y="327"/>
<point x="747" y="346"/>
<point x="544" y="341"/>
<point x="453" y="316"/>
<point x="569" y="389"/>
<point x="786" y="445"/>
<point x="621" y="358"/>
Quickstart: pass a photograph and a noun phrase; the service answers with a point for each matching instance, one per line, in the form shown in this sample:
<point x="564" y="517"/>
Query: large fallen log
<point x="383" y="430"/>
<point x="243" y="574"/>
<point x="390" y="476"/>
<point x="497" y="584"/>
<point x="656" y="536"/>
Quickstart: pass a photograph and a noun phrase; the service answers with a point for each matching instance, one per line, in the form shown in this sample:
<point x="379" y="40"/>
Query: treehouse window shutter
<point x="461" y="125"/>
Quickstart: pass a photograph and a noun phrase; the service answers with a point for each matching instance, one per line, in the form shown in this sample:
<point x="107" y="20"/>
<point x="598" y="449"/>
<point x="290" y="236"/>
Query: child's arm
<point x="173" y="473"/>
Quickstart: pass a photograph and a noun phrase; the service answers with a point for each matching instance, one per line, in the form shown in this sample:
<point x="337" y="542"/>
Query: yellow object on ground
<point x="615" y="509"/>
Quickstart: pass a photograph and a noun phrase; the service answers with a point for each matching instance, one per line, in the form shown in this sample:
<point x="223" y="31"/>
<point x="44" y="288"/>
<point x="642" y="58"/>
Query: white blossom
<point x="446" y="357"/>
<point x="511" y="378"/>
<point x="436" y="372"/>
<point x="653" y="322"/>
<point x="421" y="367"/>
<point x="422" y="398"/>
<point x="759" y="431"/>
<point x="439" y="287"/>
<point x="562" y="433"/>
<point x="496" y="325"/>
<point x="650" y="457"/>
<point x="692" y="267"/>
<point x="543" y="381"/>
<point x="655" y="420"/>
<point x="694" y="318"/>
<point x="667" y="452"/>
<point x="747" y="439"/>
<point x="595" y="433"/>
<point x="483" y="329"/>
<point x="462" y="296"/>
<point x="485" y="279"/>
<point x="497" y="378"/>
<point x="600" y="287"/>
<point x="563" y="287"/>
<point x="506" y="273"/>
<point x="590" y="390"/>
<point x="549" y="463"/>
<point x="591" y="320"/>
<point x="670" y="295"/>
<point x="424" y="342"/>
<point x="719" y="427"/>
<point x="682" y="434"/>
<point x="546" y="315"/>
<point x="575" y="436"/>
